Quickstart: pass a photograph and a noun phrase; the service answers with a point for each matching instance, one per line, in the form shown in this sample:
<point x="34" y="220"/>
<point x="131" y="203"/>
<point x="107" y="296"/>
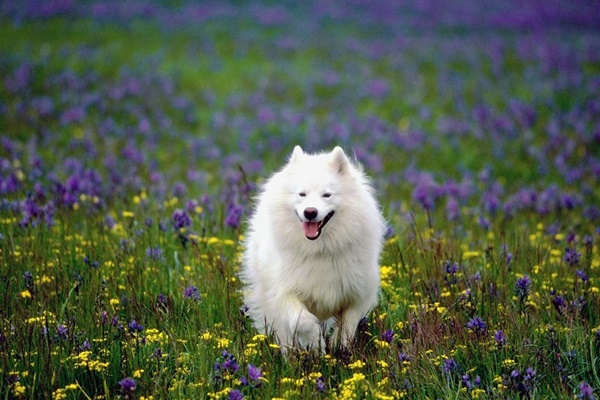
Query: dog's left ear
<point x="339" y="160"/>
<point x="296" y="154"/>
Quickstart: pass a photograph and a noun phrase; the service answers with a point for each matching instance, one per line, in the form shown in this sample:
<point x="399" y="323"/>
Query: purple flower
<point x="582" y="275"/>
<point x="452" y="208"/>
<point x="450" y="270"/>
<point x="28" y="279"/>
<point x="191" y="292"/>
<point x="450" y="366"/>
<point x="234" y="215"/>
<point x="128" y="385"/>
<point x="500" y="338"/>
<point x="560" y="303"/>
<point x="85" y="346"/>
<point x="585" y="391"/>
<point x="162" y="301"/>
<point x="571" y="256"/>
<point x="321" y="384"/>
<point x="477" y="325"/>
<point x="226" y="363"/>
<point x="62" y="331"/>
<point x="179" y="190"/>
<point x="529" y="374"/>
<point x="181" y="219"/>
<point x="254" y="373"/>
<point x="135" y="326"/>
<point x="154" y="253"/>
<point x="388" y="336"/>
<point x="466" y="380"/>
<point x="522" y="287"/>
<point x="425" y="193"/>
<point x="235" y="394"/>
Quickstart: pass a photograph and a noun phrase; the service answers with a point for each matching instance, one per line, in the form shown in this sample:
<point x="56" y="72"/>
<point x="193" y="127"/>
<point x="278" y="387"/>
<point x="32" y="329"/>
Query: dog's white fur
<point x="295" y="286"/>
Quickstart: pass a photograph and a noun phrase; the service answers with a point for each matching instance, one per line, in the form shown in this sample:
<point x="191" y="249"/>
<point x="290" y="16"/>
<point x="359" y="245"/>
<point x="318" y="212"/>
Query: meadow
<point x="135" y="134"/>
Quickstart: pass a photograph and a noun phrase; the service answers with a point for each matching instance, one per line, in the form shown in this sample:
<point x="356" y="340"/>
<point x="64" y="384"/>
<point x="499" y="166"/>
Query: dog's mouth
<point x="312" y="229"/>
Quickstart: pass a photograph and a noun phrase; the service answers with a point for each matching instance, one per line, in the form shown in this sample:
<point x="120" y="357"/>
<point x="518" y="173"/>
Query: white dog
<point x="312" y="251"/>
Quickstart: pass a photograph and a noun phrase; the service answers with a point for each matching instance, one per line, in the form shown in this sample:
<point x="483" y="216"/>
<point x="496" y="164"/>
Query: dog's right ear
<point x="296" y="154"/>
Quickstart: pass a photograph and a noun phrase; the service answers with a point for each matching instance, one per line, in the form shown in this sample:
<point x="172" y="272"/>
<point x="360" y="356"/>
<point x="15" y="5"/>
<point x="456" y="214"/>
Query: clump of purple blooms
<point x="191" y="292"/>
<point x="478" y="326"/>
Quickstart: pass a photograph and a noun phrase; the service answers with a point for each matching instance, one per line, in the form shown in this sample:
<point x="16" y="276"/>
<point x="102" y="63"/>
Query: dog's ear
<point x="296" y="154"/>
<point x="339" y="160"/>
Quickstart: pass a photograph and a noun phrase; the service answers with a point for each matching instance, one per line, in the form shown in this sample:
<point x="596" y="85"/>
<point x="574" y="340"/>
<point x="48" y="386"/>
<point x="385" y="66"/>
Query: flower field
<point x="134" y="136"/>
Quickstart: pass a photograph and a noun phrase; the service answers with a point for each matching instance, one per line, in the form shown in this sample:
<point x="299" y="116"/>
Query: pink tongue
<point x="311" y="229"/>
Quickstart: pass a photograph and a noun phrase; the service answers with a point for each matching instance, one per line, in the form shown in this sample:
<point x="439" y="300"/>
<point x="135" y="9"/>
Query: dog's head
<point x="317" y="187"/>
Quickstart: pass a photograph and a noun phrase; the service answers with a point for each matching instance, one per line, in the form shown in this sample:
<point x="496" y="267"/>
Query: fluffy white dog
<point x="312" y="249"/>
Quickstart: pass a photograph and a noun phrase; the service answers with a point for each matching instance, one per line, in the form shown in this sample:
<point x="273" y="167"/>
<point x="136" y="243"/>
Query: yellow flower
<point x="357" y="364"/>
<point x="259" y="338"/>
<point x="18" y="389"/>
<point x="470" y="254"/>
<point x="26" y="294"/>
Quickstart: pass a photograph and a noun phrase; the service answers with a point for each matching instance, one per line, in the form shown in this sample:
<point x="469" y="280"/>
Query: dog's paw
<point x="307" y="332"/>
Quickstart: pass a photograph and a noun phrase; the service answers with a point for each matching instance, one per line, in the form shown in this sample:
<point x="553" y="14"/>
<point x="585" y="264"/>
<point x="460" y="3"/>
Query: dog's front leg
<point x="303" y="329"/>
<point x="347" y="324"/>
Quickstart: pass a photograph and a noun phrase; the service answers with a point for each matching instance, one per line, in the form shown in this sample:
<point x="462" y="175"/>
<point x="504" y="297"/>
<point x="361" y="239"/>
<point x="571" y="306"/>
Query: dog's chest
<point x="326" y="286"/>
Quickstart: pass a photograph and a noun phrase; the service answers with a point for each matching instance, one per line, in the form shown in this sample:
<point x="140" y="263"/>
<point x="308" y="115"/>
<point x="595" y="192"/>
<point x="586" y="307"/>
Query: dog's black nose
<point x="310" y="213"/>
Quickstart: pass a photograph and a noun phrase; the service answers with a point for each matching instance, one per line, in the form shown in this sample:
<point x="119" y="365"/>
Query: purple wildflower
<point x="321" y="384"/>
<point x="235" y="394"/>
<point x="234" y="215"/>
<point x="477" y="325"/>
<point x="466" y="380"/>
<point x="571" y="256"/>
<point x="135" y="326"/>
<point x="244" y="310"/>
<point x="450" y="270"/>
<point x="388" y="336"/>
<point x="585" y="391"/>
<point x="62" y="331"/>
<point x="450" y="366"/>
<point x="191" y="292"/>
<point x="128" y="385"/>
<point x="85" y="346"/>
<point x="28" y="279"/>
<point x="154" y="253"/>
<point x="163" y="302"/>
<point x="104" y="317"/>
<point x="226" y="363"/>
<point x="560" y="303"/>
<point x="522" y="287"/>
<point x="255" y="374"/>
<point x="181" y="219"/>
<point x="582" y="275"/>
<point x="157" y="353"/>
<point x="425" y="193"/>
<point x="500" y="338"/>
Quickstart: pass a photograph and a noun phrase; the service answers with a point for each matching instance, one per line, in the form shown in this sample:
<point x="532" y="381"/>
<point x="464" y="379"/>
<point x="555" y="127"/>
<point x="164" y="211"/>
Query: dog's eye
<point x="327" y="195"/>
<point x="302" y="194"/>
